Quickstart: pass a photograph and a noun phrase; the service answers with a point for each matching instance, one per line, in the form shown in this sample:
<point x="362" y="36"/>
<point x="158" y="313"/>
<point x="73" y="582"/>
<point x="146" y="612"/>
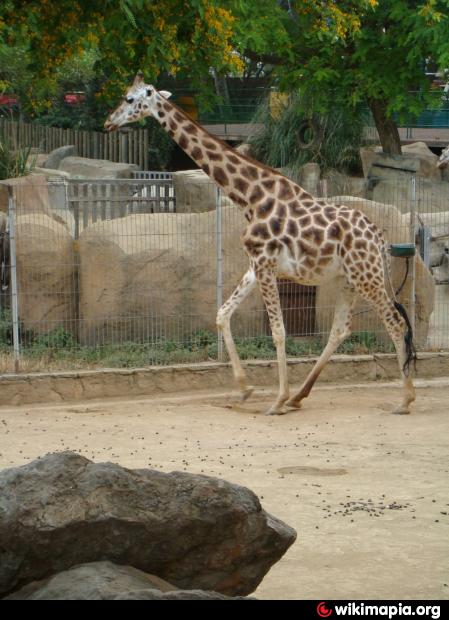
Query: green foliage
<point x="59" y="347"/>
<point x="56" y="339"/>
<point x="365" y="342"/>
<point x="5" y="329"/>
<point x="340" y="137"/>
<point x="349" y="52"/>
<point x="14" y="162"/>
<point x="161" y="145"/>
<point x="165" y="37"/>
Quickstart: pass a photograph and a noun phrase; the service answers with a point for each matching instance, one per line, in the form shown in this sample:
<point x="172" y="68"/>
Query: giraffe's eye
<point x="129" y="99"/>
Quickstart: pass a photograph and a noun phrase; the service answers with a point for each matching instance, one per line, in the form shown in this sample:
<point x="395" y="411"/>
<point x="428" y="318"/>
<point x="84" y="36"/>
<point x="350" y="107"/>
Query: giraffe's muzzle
<point x="109" y="127"/>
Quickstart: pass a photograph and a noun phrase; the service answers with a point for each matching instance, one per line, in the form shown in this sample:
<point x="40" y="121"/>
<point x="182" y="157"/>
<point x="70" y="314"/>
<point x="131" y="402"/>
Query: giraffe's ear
<point x="165" y="93"/>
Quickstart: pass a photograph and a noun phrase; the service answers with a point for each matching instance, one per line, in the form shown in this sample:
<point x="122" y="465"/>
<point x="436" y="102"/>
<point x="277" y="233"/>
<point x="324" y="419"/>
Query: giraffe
<point x="289" y="235"/>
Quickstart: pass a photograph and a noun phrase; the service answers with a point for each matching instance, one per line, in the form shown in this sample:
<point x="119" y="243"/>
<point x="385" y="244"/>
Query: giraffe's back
<point x="312" y="241"/>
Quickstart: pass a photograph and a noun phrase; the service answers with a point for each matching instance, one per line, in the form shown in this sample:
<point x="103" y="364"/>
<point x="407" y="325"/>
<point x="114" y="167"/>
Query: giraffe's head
<point x="139" y="101"/>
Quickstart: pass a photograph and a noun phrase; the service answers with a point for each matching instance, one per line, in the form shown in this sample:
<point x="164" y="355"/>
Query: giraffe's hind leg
<point x="398" y="327"/>
<point x="341" y="329"/>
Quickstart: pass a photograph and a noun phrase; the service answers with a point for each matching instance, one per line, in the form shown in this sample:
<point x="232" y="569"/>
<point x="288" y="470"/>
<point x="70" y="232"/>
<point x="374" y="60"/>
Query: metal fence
<point x="109" y="199"/>
<point x="120" y="274"/>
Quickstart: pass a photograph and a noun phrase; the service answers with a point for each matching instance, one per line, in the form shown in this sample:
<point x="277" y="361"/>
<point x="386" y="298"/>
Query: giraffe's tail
<point x="410" y="350"/>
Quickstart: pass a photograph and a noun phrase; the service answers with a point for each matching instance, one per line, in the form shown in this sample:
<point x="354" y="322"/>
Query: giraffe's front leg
<point x="224" y="315"/>
<point x="270" y="294"/>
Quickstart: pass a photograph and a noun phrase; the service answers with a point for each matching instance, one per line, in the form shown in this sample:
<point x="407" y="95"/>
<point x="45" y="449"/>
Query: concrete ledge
<point x="25" y="389"/>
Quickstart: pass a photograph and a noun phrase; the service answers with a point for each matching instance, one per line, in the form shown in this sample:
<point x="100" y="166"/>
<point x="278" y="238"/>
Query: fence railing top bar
<point x="56" y="181"/>
<point x="130" y="181"/>
<point x="152" y="174"/>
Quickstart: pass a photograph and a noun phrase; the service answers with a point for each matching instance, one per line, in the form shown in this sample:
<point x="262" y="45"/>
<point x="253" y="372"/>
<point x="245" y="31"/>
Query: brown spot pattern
<point x="292" y="228"/>
<point x="285" y="190"/>
<point x="220" y="176"/>
<point x="214" y="156"/>
<point x="257" y="194"/>
<point x="269" y="184"/>
<point x="334" y="231"/>
<point x="241" y="185"/>
<point x="197" y="153"/>
<point x="266" y="208"/>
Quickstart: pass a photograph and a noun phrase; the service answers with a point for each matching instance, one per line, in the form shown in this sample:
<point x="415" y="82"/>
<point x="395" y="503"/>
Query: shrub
<point x="5" y="329"/>
<point x="340" y="136"/>
<point x="14" y="162"/>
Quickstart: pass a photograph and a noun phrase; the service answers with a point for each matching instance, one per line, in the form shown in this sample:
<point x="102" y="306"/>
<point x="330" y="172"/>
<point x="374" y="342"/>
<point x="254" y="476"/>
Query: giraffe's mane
<point x="226" y="146"/>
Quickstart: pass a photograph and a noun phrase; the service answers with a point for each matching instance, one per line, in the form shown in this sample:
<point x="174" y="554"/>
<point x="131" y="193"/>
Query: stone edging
<point x="25" y="389"/>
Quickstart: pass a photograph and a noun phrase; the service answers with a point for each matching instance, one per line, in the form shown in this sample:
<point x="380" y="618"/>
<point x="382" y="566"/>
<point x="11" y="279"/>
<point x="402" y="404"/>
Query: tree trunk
<point x="221" y="88"/>
<point x="386" y="127"/>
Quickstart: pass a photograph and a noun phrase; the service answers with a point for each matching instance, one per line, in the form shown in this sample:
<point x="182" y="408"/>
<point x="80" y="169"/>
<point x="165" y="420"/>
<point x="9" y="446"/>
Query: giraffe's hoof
<point x="245" y="394"/>
<point x="276" y="411"/>
<point x="401" y="411"/>
<point x="293" y="404"/>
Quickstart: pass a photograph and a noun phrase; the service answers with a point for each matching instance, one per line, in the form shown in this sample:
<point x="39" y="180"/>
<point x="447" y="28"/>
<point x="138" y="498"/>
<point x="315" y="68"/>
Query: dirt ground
<point x="367" y="491"/>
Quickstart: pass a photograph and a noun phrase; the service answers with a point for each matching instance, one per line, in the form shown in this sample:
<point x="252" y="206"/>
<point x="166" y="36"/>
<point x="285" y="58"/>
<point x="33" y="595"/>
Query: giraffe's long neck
<point x="245" y="181"/>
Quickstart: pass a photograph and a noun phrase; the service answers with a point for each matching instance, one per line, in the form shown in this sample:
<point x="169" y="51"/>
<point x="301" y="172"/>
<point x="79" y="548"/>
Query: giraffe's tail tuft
<point x="409" y="345"/>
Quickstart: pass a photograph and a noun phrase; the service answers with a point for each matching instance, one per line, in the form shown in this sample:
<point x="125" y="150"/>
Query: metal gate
<point x="92" y="200"/>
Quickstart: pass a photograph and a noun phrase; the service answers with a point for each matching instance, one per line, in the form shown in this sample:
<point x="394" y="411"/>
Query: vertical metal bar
<point x="413" y="214"/>
<point x="13" y="267"/>
<point x="146" y="146"/>
<point x="219" y="264"/>
<point x="72" y="190"/>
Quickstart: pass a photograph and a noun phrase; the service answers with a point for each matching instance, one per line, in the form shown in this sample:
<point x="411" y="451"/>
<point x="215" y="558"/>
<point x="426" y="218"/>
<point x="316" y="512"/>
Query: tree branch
<point x="267" y="59"/>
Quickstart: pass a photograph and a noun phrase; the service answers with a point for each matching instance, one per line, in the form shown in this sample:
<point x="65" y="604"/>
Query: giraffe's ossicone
<point x="289" y="234"/>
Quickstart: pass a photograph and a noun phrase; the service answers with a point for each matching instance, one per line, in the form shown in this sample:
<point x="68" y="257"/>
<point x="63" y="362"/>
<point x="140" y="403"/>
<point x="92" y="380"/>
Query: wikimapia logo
<point x="323" y="611"/>
<point x="390" y="611"/>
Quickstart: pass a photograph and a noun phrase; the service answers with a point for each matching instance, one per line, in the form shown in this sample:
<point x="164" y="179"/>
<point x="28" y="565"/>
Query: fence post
<point x="123" y="148"/>
<point x="219" y="266"/>
<point x="412" y="229"/>
<point x="145" y="163"/>
<point x="13" y="267"/>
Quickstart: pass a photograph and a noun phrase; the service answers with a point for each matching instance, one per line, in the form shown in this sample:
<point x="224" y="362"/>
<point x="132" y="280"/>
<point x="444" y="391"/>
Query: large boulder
<point x="395" y="227"/>
<point x="427" y="166"/>
<point x="437" y="225"/>
<point x="51" y="174"/>
<point x="438" y="338"/>
<point x="407" y="179"/>
<point x="83" y="167"/>
<point x="193" y="531"/>
<point x="44" y="252"/>
<point x="416" y="158"/>
<point x="54" y="159"/>
<point x="336" y="183"/>
<point x="405" y="193"/>
<point x="35" y="194"/>
<point x="195" y="192"/>
<point x="147" y="275"/>
<point x="3" y="226"/>
<point x="310" y="177"/>
<point x="105" y="581"/>
<point x="45" y="273"/>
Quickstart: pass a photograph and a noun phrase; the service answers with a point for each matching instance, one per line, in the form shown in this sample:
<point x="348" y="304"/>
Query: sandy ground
<point x="367" y="491"/>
